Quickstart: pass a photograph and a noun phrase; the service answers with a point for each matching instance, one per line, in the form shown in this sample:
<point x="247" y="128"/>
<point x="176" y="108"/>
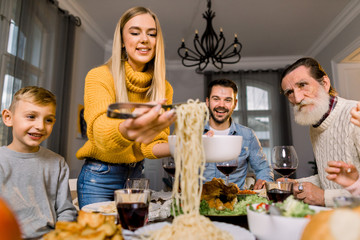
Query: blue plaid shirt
<point x="251" y="152"/>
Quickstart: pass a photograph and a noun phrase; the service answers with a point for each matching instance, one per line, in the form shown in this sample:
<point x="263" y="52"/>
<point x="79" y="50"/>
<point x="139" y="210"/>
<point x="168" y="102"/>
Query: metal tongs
<point x="122" y="110"/>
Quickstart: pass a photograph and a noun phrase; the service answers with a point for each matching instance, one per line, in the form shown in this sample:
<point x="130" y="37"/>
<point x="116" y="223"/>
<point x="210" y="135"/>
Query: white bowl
<point x="218" y="148"/>
<point x="268" y="227"/>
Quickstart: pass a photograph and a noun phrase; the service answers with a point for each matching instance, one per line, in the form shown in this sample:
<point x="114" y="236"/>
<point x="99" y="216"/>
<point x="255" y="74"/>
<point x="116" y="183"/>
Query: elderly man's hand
<point x="310" y="193"/>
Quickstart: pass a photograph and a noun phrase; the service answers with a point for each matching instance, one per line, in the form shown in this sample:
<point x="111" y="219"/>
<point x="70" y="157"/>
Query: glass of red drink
<point x="278" y="191"/>
<point x="168" y="164"/>
<point x="284" y="160"/>
<point x="227" y="168"/>
<point x="133" y="207"/>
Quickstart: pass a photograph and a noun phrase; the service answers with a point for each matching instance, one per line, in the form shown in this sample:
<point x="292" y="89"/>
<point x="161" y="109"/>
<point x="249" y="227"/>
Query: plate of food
<point x="86" y="225"/>
<point x="157" y="210"/>
<point x="237" y="233"/>
<point x="227" y="203"/>
<point x="106" y="208"/>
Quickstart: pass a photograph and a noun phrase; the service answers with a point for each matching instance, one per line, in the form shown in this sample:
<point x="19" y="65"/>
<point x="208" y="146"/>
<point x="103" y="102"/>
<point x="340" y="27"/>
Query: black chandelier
<point x="210" y="47"/>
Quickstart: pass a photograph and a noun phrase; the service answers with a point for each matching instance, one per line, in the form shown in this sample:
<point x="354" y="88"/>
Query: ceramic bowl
<point x="269" y="227"/>
<point x="218" y="148"/>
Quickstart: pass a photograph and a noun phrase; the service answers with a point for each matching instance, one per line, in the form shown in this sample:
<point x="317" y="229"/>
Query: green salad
<point x="239" y="207"/>
<point x="294" y="208"/>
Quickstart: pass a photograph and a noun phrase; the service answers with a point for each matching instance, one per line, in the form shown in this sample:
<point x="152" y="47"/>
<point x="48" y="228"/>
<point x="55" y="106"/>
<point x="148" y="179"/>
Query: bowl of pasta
<point x="218" y="148"/>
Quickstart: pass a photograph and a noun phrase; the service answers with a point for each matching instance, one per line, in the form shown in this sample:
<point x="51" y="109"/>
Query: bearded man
<point x="315" y="103"/>
<point x="221" y="101"/>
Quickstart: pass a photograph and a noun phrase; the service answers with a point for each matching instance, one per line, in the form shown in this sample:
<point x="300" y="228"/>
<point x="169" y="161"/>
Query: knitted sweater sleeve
<point x="312" y="179"/>
<point x="101" y="130"/>
<point x="354" y="189"/>
<point x="146" y="149"/>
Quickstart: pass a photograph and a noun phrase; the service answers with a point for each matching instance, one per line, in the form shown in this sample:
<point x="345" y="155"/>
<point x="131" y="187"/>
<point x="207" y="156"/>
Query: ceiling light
<point x="210" y="47"/>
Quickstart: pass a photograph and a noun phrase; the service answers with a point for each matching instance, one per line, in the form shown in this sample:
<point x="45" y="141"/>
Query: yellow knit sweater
<point x="105" y="140"/>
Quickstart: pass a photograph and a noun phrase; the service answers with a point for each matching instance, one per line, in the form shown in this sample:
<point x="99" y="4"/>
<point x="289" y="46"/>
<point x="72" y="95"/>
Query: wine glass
<point x="133" y="207"/>
<point x="284" y="160"/>
<point x="227" y="168"/>
<point x="169" y="167"/>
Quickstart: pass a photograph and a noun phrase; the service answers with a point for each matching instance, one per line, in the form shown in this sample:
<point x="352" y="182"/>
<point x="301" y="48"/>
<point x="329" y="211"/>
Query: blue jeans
<point x="98" y="180"/>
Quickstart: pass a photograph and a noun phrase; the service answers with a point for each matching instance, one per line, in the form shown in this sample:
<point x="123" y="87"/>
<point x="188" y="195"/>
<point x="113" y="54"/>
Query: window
<point x="21" y="62"/>
<point x="36" y="49"/>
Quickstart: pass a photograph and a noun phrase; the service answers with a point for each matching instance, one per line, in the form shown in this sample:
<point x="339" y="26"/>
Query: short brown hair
<point x="37" y="95"/>
<point x="316" y="71"/>
<point x="222" y="82"/>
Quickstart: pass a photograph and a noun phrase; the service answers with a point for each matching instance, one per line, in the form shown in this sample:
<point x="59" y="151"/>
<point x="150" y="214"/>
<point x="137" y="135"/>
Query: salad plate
<point x="268" y="227"/>
<point x="239" y="207"/>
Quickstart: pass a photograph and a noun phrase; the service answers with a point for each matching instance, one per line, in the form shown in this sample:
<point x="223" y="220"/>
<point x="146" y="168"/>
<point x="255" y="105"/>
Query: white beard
<point x="303" y="116"/>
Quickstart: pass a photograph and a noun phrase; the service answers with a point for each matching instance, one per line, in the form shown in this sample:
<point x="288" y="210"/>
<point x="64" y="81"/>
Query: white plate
<point x="237" y="232"/>
<point x="97" y="207"/>
<point x="156" y="211"/>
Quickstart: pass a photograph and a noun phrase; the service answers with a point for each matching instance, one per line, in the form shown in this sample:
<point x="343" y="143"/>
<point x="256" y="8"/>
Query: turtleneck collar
<point x="332" y="104"/>
<point x="137" y="81"/>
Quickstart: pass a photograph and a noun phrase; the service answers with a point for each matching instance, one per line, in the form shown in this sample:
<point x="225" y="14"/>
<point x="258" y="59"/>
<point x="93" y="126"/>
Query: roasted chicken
<point x="218" y="195"/>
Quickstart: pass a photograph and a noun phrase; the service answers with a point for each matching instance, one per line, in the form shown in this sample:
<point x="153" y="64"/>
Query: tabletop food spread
<point x="99" y="220"/>
<point x="186" y="212"/>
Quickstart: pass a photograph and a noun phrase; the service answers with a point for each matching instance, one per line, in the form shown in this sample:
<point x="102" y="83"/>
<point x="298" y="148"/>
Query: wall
<point x="87" y="54"/>
<point x="328" y="57"/>
<point x="188" y="84"/>
<point x="338" y="46"/>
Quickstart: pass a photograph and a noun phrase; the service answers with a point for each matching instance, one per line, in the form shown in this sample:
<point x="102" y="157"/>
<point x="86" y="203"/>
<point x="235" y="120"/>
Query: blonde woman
<point x="135" y="73"/>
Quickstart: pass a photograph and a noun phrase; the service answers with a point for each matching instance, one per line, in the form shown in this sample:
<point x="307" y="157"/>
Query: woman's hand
<point x="145" y="128"/>
<point x="342" y="173"/>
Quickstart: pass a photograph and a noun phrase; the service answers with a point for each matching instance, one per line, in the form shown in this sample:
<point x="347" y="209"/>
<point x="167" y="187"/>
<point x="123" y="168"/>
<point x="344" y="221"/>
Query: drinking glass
<point x="169" y="167"/>
<point x="137" y="183"/>
<point x="284" y="160"/>
<point x="347" y="201"/>
<point x="133" y="207"/>
<point x="227" y="168"/>
<point x="278" y="191"/>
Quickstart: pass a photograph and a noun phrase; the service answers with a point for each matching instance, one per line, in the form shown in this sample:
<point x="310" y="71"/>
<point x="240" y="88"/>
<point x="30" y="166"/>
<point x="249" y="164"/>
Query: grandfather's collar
<point x="332" y="104"/>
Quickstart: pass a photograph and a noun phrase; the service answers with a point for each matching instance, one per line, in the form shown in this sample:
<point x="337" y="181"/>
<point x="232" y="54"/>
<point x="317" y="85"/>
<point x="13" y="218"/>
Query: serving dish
<point x="218" y="148"/>
<point x="269" y="227"/>
<point x="237" y="232"/>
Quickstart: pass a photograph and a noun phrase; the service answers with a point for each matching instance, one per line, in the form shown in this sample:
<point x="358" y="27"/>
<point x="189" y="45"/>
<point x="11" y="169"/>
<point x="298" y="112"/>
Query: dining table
<point x="160" y="214"/>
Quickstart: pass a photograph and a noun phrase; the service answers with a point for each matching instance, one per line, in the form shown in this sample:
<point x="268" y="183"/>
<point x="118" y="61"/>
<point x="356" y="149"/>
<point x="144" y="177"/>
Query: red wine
<point x="170" y="170"/>
<point x="278" y="195"/>
<point x="133" y="215"/>
<point x="285" y="171"/>
<point x="226" y="169"/>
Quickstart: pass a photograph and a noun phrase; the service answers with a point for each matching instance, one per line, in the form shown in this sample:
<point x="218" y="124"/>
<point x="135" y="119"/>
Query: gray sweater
<point x="36" y="187"/>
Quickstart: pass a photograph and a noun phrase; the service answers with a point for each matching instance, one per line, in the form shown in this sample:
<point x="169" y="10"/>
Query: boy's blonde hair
<point x="119" y="56"/>
<point x="34" y="94"/>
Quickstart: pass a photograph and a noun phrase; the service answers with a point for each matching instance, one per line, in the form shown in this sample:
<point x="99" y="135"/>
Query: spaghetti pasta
<point x="190" y="165"/>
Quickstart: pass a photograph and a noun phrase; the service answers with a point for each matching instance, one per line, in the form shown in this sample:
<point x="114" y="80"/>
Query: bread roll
<point x="338" y="224"/>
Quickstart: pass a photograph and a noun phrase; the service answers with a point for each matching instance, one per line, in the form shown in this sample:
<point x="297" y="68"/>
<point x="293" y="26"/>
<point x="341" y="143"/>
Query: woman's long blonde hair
<point x="116" y="62"/>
